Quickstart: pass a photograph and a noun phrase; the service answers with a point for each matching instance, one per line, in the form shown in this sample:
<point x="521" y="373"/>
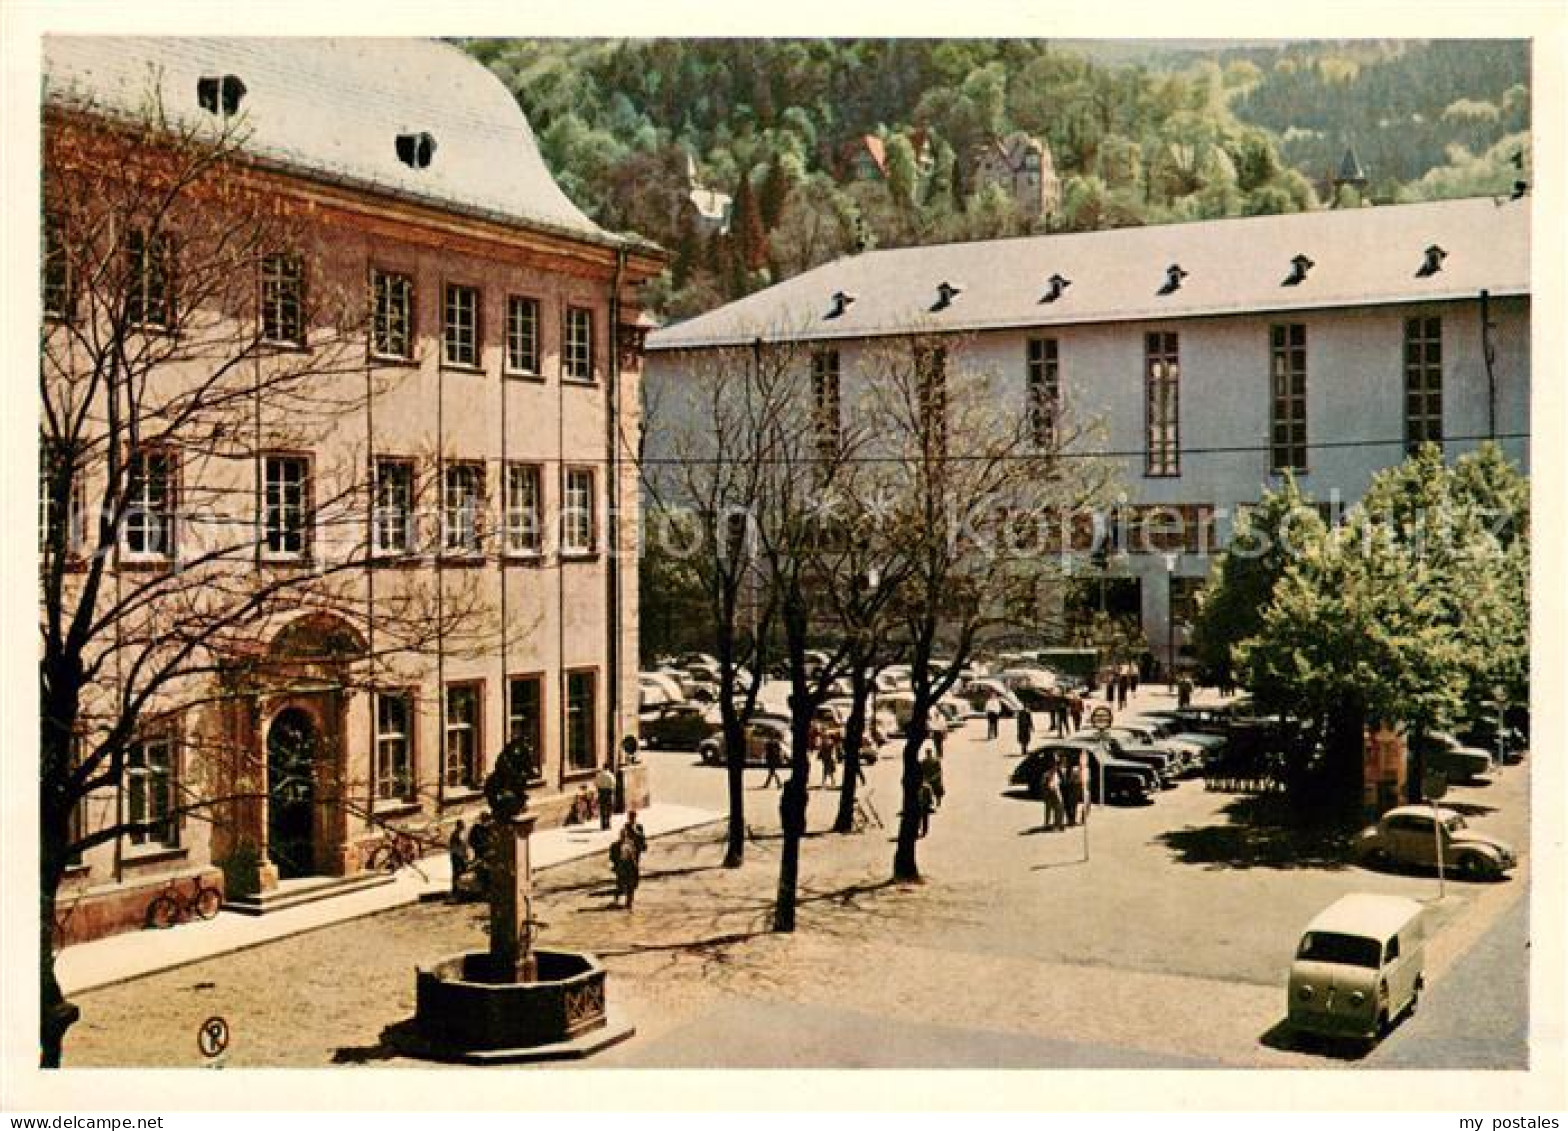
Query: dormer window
<point x="416" y="150"/>
<point x="945" y="294"/>
<point x="1056" y="285"/>
<point x="1299" y="266"/>
<point x="220" y="94"/>
<point x="840" y="303"/>
<point x="1432" y="262"/>
<point x="1174" y="274"/>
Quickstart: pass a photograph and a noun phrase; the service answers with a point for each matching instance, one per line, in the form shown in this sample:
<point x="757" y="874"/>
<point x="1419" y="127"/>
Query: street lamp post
<point x="1500" y="697"/>
<point x="1170" y="620"/>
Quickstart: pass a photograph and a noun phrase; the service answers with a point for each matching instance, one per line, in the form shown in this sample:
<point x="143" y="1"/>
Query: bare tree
<point x="705" y="473"/>
<point x="981" y="489"/>
<point x="188" y="332"/>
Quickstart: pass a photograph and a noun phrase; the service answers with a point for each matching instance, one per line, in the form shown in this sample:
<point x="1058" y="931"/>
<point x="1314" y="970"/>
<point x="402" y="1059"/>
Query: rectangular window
<point x="525" y="716"/>
<point x="63" y="526"/>
<point x="148" y="298"/>
<point x="148" y="529"/>
<point x="931" y="388"/>
<point x="577" y="515"/>
<point x="392" y="316"/>
<point x="524" y="511"/>
<point x="1288" y="415"/>
<point x="1162" y="379"/>
<point x="460" y="326"/>
<point x="1423" y="382"/>
<point x="1045" y="394"/>
<point x="581" y="752"/>
<point x="151" y="779"/>
<point x="460" y="769"/>
<point x="522" y="335"/>
<point x="463" y="500"/>
<point x="56" y="273"/>
<point x="394" y="773"/>
<point x="578" y="354"/>
<point x="393" y="518"/>
<point x="283" y="300"/>
<point x="826" y="413"/>
<point x="286" y="506"/>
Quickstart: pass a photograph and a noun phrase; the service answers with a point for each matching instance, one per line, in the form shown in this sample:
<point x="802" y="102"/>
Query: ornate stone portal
<point x="511" y="1002"/>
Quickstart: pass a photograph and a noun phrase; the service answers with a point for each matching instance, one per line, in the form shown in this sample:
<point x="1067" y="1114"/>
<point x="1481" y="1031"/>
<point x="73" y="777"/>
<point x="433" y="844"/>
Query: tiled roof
<point x="335" y="107"/>
<point x="1361" y="256"/>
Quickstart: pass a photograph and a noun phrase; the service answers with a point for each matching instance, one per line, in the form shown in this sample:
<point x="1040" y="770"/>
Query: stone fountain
<point x="513" y="1002"/>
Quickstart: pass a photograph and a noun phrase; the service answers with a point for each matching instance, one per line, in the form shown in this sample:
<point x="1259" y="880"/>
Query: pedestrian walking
<point x="457" y="850"/>
<point x="1051" y="793"/>
<point x="931" y="775"/>
<point x="1184" y="692"/>
<point x="937" y="726"/>
<point x="604" y="782"/>
<point x="829" y="759"/>
<point x="773" y="758"/>
<point x="1071" y="786"/>
<point x="1025" y="729"/>
<point x="626" y="859"/>
<point x="1123" y="683"/>
<point x="927" y="806"/>
<point x="479" y="848"/>
<point x="993" y="716"/>
<point x="1075" y="710"/>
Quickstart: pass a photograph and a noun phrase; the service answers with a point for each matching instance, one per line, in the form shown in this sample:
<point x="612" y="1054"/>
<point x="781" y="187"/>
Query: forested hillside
<point x="824" y="147"/>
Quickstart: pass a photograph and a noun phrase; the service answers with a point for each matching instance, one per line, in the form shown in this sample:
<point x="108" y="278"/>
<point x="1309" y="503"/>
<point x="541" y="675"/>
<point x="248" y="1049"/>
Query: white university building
<point x="1215" y="355"/>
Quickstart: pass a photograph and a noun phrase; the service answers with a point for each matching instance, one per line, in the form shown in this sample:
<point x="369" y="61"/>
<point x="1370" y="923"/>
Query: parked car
<point x="981" y="690"/>
<point x="679" y="726"/>
<point x="835" y="713"/>
<point x="659" y="688"/>
<point x="1445" y="754"/>
<point x="1169" y="728"/>
<point x="1125" y="781"/>
<point x="1358" y="967"/>
<point x="1406" y="836"/>
<point x="1166" y="763"/>
<point x="1135" y="735"/>
<point x="761" y="730"/>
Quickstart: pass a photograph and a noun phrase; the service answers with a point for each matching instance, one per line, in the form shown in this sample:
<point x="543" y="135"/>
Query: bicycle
<point x="398" y="848"/>
<point x="171" y="906"/>
<point x="865" y="814"/>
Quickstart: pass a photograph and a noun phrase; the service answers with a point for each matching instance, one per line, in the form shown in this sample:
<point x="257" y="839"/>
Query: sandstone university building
<point x="1215" y="356"/>
<point x="482" y="467"/>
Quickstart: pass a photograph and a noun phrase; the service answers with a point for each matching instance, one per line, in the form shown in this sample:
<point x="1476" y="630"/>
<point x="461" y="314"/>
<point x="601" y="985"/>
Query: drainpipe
<point x="1489" y="356"/>
<point x="613" y="535"/>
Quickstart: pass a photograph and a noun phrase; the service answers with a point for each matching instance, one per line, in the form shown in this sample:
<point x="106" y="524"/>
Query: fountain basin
<point x="468" y="1009"/>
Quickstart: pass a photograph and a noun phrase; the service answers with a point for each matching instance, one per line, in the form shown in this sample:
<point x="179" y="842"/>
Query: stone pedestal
<point x="511" y="898"/>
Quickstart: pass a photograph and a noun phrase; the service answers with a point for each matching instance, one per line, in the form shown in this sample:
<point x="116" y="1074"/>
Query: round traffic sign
<point x="213" y="1036"/>
<point x="1100" y="718"/>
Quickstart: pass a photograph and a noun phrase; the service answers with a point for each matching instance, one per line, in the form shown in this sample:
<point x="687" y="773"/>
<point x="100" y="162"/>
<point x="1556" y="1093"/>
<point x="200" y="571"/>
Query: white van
<point x="1358" y="968"/>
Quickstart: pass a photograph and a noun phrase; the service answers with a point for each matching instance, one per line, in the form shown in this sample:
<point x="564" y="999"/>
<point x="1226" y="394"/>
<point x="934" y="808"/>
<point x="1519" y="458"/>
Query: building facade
<point x="450" y="540"/>
<point x="1021" y="166"/>
<point x="1208" y="358"/>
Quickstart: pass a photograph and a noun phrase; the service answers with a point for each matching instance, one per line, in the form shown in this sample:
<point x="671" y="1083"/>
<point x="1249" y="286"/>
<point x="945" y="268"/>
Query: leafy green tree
<point x="1410" y="614"/>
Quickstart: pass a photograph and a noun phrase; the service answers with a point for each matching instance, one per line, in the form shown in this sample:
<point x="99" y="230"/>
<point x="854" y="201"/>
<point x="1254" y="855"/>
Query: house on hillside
<point x="864" y="158"/>
<point x="1218" y="355"/>
<point x="1022" y="167"/>
<point x="709" y="208"/>
<point x="487" y="343"/>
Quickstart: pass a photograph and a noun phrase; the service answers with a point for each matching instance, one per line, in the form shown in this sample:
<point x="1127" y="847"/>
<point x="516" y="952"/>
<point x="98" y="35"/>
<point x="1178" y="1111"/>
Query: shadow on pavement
<point x="393" y="1044"/>
<point x="1287" y="1039"/>
<point x="1265" y="832"/>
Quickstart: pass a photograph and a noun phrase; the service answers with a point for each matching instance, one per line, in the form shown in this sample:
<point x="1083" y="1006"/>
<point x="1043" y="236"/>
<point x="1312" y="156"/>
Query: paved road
<point x="1169" y="946"/>
<point x="1477" y="1015"/>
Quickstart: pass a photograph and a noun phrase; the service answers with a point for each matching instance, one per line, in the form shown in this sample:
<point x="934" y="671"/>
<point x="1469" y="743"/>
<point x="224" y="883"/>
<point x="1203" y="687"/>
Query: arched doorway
<point x="291" y="793"/>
